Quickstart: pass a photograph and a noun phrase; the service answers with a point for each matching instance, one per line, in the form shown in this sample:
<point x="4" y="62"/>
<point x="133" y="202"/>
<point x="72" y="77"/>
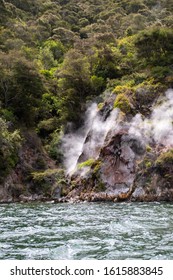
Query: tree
<point x="6" y="79"/>
<point x="106" y="61"/>
<point x="74" y="84"/>
<point x="9" y="145"/>
<point x="21" y="86"/>
<point x="155" y="46"/>
<point x="51" y="53"/>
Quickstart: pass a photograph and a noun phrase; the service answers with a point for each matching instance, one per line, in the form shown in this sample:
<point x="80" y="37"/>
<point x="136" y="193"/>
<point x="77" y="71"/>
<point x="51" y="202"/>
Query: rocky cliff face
<point x="124" y="168"/>
<point x="153" y="179"/>
<point x="113" y="173"/>
<point x="119" y="155"/>
<point x="114" y="165"/>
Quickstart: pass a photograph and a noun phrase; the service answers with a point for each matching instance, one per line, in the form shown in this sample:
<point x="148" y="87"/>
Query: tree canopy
<point x="56" y="56"/>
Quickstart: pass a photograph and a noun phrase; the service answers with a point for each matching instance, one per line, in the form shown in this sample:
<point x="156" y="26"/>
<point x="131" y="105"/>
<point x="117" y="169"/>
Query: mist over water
<point x="158" y="129"/>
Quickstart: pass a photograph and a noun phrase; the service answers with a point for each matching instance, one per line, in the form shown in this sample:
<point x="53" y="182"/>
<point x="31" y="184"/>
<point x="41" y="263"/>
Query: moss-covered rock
<point x="145" y="94"/>
<point x="164" y="164"/>
<point x="86" y="163"/>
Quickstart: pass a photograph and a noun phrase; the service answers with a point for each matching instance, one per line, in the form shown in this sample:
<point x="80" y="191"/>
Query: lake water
<point x="86" y="231"/>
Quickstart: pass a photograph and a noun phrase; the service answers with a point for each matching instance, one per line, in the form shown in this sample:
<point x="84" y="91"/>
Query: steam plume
<point x="158" y="129"/>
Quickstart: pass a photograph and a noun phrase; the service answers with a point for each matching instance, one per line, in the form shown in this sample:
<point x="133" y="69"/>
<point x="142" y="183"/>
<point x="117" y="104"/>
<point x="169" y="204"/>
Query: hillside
<point x="56" y="58"/>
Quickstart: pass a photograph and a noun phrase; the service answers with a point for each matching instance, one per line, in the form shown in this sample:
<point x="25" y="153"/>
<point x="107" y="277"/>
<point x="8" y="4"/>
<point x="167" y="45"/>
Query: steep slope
<point x="58" y="57"/>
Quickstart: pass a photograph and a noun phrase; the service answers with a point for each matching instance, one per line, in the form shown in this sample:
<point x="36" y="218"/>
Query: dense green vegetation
<point x="55" y="56"/>
<point x="9" y="145"/>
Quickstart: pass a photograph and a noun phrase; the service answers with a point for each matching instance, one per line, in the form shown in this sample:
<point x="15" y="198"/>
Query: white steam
<point x="74" y="144"/>
<point x="157" y="128"/>
<point x="97" y="134"/>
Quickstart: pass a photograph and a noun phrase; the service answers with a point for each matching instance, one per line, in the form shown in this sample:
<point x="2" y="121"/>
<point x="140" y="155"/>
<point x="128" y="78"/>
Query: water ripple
<point x="86" y="231"/>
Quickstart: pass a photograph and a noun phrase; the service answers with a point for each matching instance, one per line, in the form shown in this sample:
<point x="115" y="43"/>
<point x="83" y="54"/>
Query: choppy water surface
<point x="86" y="231"/>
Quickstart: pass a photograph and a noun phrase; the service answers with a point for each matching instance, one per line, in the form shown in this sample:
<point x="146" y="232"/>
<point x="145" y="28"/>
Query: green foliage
<point x="9" y="145"/>
<point x="144" y="94"/>
<point x="51" y="53"/>
<point x="155" y="46"/>
<point x="56" y="55"/>
<point x="47" y="126"/>
<point x="147" y="163"/>
<point x="56" y="47"/>
<point x="164" y="164"/>
<point x="74" y="69"/>
<point x="100" y="187"/>
<point x="96" y="167"/>
<point x="97" y="83"/>
<point x="128" y="62"/>
<point x="21" y="86"/>
<point x="75" y="72"/>
<point x="74" y="85"/>
<point x="122" y="89"/>
<point x="86" y="163"/>
<point x="39" y="176"/>
<point x="54" y="145"/>
<point x="50" y="105"/>
<point x="122" y="103"/>
<point x="45" y="182"/>
<point x="159" y="73"/>
<point x="165" y="159"/>
<point x="105" y="61"/>
<point x="7" y="115"/>
<point x="148" y="148"/>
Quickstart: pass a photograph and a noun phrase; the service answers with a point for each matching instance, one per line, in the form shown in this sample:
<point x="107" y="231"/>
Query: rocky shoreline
<point x="92" y="198"/>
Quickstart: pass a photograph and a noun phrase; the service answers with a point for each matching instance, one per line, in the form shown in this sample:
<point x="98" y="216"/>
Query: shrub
<point x="54" y="146"/>
<point x="164" y="164"/>
<point x="165" y="159"/>
<point x="122" y="103"/>
<point x="47" y="126"/>
<point x="155" y="46"/>
<point x="121" y="89"/>
<point x="46" y="181"/>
